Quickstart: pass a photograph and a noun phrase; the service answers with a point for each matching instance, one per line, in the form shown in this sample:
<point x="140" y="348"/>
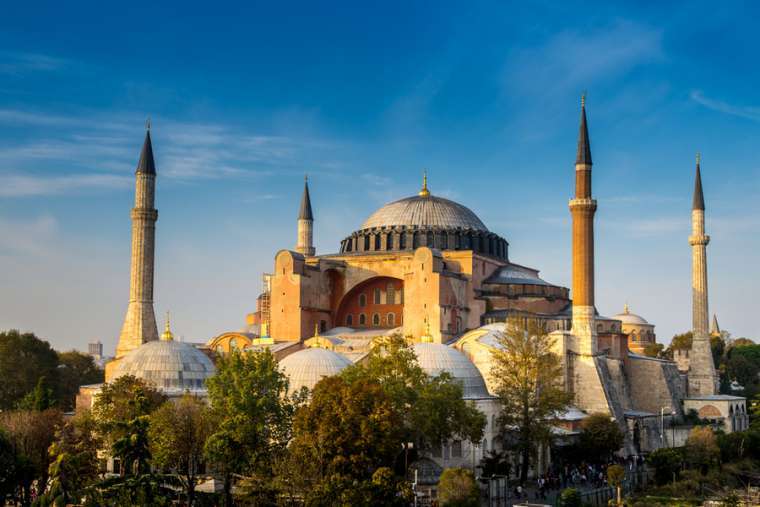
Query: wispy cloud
<point x="748" y="112"/>
<point x="17" y="62"/>
<point x="24" y="185"/>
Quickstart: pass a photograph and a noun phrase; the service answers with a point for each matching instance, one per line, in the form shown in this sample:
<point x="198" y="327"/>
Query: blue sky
<point x="245" y="98"/>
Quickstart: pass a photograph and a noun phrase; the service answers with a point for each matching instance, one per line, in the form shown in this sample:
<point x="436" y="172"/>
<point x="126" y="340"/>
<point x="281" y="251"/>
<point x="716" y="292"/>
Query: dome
<point x="425" y="211"/>
<point x="435" y="358"/>
<point x="631" y="318"/>
<point x="307" y="367"/>
<point x="169" y="365"/>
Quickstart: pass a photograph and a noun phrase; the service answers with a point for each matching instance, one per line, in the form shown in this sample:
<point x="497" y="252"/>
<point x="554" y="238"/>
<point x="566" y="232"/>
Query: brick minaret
<point x="582" y="208"/>
<point x="305" y="244"/>
<point x="140" y="321"/>
<point x="702" y="377"/>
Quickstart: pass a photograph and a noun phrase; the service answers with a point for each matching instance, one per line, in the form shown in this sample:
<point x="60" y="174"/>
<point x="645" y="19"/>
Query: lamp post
<point x="662" y="427"/>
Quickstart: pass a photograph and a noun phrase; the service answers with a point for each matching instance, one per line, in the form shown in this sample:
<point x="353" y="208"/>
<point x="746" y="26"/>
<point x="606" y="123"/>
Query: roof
<point x="308" y="366"/>
<point x="514" y="274"/>
<point x="583" y="155"/>
<point x="631" y="318"/>
<point x="146" y="164"/>
<point x="436" y="358"/>
<point x="699" y="199"/>
<point x="426" y="211"/>
<point x="304" y="213"/>
<point x="715" y="397"/>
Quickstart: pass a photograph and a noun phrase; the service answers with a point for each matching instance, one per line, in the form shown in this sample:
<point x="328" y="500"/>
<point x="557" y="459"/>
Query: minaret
<point x="702" y="378"/>
<point x="140" y="321"/>
<point x="582" y="209"/>
<point x="305" y="243"/>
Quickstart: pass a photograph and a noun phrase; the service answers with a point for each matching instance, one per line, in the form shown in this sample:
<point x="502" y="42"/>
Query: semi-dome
<point x="631" y="318"/>
<point x="435" y="358"/>
<point x="425" y="211"/>
<point x="308" y="366"/>
<point x="169" y="365"/>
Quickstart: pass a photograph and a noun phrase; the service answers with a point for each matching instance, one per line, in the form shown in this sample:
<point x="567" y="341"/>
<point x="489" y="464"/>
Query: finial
<point x="306" y="177"/>
<point x="626" y="309"/>
<point x="167" y="334"/>
<point x="316" y="329"/>
<point x="424" y="192"/>
<point x="699" y="158"/>
<point x="583" y="98"/>
<point x="147" y="124"/>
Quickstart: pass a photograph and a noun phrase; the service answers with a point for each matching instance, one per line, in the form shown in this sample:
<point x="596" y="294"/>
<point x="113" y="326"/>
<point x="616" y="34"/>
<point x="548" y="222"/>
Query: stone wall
<point x="654" y="384"/>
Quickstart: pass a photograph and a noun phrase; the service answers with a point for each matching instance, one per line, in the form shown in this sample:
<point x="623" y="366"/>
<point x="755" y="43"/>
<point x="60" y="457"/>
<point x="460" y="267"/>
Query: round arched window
<point x="376" y="320"/>
<point x="349" y="320"/>
<point x="362" y="319"/>
<point x="391" y="319"/>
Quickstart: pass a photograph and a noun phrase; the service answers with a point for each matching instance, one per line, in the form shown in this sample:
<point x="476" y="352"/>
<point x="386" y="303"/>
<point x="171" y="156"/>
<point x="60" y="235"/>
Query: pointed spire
<point x="146" y="164"/>
<point x="584" y="144"/>
<point x="305" y="211"/>
<point x="699" y="198"/>
<point x="167" y="335"/>
<point x="424" y="192"/>
<point x="714" y="327"/>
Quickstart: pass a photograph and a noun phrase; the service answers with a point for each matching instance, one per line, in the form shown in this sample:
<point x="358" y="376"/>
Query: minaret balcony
<point x="703" y="239"/>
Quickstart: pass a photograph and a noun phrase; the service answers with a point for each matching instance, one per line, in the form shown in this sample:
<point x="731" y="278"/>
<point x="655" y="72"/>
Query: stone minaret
<point x="582" y="209"/>
<point x="702" y="378"/>
<point x="305" y="244"/>
<point x="140" y="322"/>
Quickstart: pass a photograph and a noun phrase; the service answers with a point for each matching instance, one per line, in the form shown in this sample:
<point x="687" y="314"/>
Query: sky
<point x="245" y="98"/>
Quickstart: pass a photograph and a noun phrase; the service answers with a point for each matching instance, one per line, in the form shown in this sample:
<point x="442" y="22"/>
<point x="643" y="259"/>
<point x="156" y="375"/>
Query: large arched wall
<point x="374" y="303"/>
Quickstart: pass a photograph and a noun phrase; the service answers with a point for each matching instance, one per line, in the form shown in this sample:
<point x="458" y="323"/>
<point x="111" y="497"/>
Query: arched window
<point x="376" y="320"/>
<point x="391" y="319"/>
<point x="362" y="319"/>
<point x="362" y="300"/>
<point x="390" y="294"/>
<point x="378" y="295"/>
<point x="349" y="320"/>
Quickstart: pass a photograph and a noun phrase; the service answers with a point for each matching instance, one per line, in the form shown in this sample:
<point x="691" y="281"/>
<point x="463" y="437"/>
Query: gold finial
<point x="147" y="124"/>
<point x="167" y="334"/>
<point x="424" y="192"/>
<point x="626" y="310"/>
<point x="316" y="329"/>
<point x="699" y="158"/>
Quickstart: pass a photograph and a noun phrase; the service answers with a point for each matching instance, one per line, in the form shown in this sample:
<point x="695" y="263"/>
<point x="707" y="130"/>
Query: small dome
<point x="425" y="211"/>
<point x="169" y="365"/>
<point x="307" y="367"/>
<point x="631" y="318"/>
<point x="435" y="358"/>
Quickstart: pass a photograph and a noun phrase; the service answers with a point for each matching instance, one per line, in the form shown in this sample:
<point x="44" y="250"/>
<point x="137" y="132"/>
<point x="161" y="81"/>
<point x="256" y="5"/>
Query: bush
<point x="457" y="488"/>
<point x="666" y="462"/>
<point x="570" y="497"/>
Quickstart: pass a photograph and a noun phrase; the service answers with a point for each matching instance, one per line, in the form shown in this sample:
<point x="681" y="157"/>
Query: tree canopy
<point x="24" y="358"/>
<point x="600" y="438"/>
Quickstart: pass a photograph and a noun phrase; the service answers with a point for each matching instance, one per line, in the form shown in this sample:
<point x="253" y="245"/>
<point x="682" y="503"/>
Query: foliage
<point x="177" y="437"/>
<point x="8" y="466"/>
<point x="140" y="489"/>
<point x="570" y="497"/>
<point x="600" y="437"/>
<point x="24" y="358"/>
<point x="384" y="488"/>
<point x="528" y="384"/>
<point x="121" y="412"/>
<point x="666" y="462"/>
<point x="30" y="434"/>
<point x="682" y="341"/>
<point x="40" y="398"/>
<point x="654" y="349"/>
<point x="252" y="413"/>
<point x="75" y="369"/>
<point x="457" y="488"/>
<point x="74" y="463"/>
<point x="743" y="364"/>
<point x="701" y="447"/>
<point x="741" y="342"/>
<point x="615" y="475"/>
<point x="495" y="463"/>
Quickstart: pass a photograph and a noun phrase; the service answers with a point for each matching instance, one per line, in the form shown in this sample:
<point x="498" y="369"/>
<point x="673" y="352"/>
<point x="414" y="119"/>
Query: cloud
<point x="748" y="112"/>
<point x="17" y="62"/>
<point x="25" y="185"/>
<point x="27" y="237"/>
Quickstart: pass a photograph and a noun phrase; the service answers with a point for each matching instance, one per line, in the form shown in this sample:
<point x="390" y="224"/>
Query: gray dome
<point x="435" y="358"/>
<point x="426" y="212"/>
<point x="169" y="365"/>
<point x="308" y="366"/>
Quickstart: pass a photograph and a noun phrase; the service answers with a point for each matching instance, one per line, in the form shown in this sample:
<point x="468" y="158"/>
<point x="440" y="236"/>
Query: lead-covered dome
<point x="425" y="211"/>
<point x="436" y="358"/>
<point x="171" y="366"/>
<point x="308" y="366"/>
<point x="631" y="318"/>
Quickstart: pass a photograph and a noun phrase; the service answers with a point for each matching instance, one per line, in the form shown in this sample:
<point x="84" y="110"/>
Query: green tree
<point x="75" y="369"/>
<point x="252" y="414"/>
<point x="122" y="411"/>
<point x="615" y="476"/>
<point x="600" y="438"/>
<point x="701" y="450"/>
<point x="40" y="398"/>
<point x="30" y="433"/>
<point x="654" y="349"/>
<point x="177" y="435"/>
<point x="74" y="465"/>
<point x="528" y="377"/>
<point x="666" y="463"/>
<point x="8" y="467"/>
<point x="741" y="342"/>
<point x="682" y="341"/>
<point x="570" y="497"/>
<point x="24" y="358"/>
<point x="457" y="488"/>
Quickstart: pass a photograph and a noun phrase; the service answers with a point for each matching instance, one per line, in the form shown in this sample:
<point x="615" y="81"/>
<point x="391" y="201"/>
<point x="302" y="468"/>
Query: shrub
<point x="457" y="488"/>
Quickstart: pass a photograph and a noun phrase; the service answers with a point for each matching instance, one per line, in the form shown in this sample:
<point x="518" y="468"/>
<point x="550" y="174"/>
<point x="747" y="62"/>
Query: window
<point x="362" y="300"/>
<point x="390" y="294"/>
<point x="362" y="319"/>
<point x="349" y="320"/>
<point x="456" y="449"/>
<point x="378" y="296"/>
<point x="376" y="320"/>
<point x="391" y="319"/>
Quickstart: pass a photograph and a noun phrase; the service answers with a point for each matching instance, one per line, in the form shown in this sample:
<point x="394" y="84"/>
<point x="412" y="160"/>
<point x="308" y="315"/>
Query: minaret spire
<point x="140" y="322"/>
<point x="424" y="192"/>
<point x="584" y="145"/>
<point x="702" y="377"/>
<point x="305" y="242"/>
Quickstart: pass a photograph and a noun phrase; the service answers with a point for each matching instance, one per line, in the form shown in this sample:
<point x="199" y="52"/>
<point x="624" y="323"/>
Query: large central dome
<point x="425" y="211"/>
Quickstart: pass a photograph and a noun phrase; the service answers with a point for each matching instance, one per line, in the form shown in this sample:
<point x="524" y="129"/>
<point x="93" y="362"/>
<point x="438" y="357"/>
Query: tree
<point x="666" y="463"/>
<point x="654" y="349"/>
<point x="74" y="465"/>
<point x="30" y="433"/>
<point x="570" y="497"/>
<point x="75" y="369"/>
<point x="528" y="379"/>
<point x="41" y="398"/>
<point x="24" y="358"/>
<point x="457" y="488"/>
<point x="8" y="467"/>
<point x="741" y="342"/>
<point x="121" y="413"/>
<point x="701" y="448"/>
<point x="600" y="437"/>
<point x="615" y="476"/>
<point x="252" y="413"/>
<point x="682" y="341"/>
<point x="177" y="436"/>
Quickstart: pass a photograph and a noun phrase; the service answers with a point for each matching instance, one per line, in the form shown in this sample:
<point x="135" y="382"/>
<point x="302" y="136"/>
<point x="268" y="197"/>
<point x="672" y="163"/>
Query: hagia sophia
<point x="429" y="269"/>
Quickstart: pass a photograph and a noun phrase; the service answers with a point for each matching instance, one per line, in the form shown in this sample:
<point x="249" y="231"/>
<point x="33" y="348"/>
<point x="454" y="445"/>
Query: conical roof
<point x="699" y="198"/>
<point x="584" y="144"/>
<point x="146" y="165"/>
<point x="305" y="212"/>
